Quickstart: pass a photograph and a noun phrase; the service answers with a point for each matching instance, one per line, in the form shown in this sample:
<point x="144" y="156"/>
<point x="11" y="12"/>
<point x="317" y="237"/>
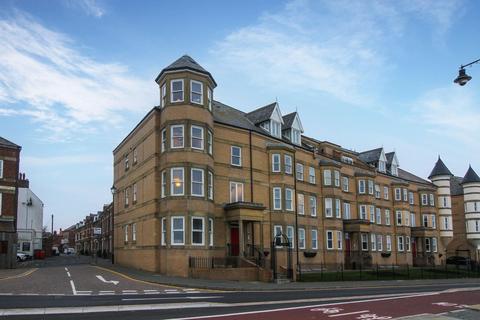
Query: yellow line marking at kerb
<point x="26" y="273"/>
<point x="148" y="282"/>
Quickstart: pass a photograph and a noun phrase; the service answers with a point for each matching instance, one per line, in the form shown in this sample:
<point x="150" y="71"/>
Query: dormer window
<point x="394" y="170"/>
<point x="382" y="167"/>
<point x="196" y="92"/>
<point x="296" y="136"/>
<point x="275" y="129"/>
<point x="176" y="90"/>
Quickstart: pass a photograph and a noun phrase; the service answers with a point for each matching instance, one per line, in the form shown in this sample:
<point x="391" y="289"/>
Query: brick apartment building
<point x="198" y="178"/>
<point x="9" y="175"/>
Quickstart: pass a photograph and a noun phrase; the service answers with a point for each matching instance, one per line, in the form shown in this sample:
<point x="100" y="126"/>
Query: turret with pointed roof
<point x="185" y="62"/>
<point x="471" y="176"/>
<point x="440" y="169"/>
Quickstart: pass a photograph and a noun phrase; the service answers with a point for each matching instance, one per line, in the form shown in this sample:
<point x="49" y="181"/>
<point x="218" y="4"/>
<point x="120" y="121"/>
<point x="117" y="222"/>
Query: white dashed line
<point x="66" y="269"/>
<point x="68" y="274"/>
<point x="74" y="291"/>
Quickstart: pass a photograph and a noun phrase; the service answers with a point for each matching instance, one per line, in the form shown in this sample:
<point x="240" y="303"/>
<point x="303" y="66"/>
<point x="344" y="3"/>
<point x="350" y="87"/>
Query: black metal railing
<point x="339" y="272"/>
<point x="213" y="262"/>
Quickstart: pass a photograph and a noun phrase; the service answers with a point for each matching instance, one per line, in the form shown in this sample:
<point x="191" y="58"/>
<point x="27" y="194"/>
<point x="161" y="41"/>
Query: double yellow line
<point x="21" y="275"/>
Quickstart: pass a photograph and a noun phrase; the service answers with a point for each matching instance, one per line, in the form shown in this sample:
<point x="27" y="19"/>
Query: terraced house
<point x="198" y="178"/>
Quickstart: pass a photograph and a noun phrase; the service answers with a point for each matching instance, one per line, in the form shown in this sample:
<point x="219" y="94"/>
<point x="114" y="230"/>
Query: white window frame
<point x="134" y="232"/>
<point x="362" y="212"/>
<point x="327" y="177"/>
<point x="1" y="169"/>
<point x="210" y="185"/>
<point x="301" y="203"/>
<point x="386" y="190"/>
<point x="277" y="228"/>
<point x="164" y="140"/>
<point x="433" y="219"/>
<point x="434" y="245"/>
<point x="210" y="232"/>
<point x="135" y="155"/>
<point x="313" y="206"/>
<point x="201" y="183"/>
<point x="370" y="187"/>
<point x="134" y="193"/>
<point x="347" y="213"/>
<point x="277" y="198"/>
<point x="192" y="82"/>
<point x="164" y="232"/>
<point x="288" y="164"/>
<point x="329" y="241"/>
<point x="289" y="201"/>
<point x="126" y="197"/>
<point x="164" y="183"/>
<point x="209" y="98"/>
<point x="398" y="213"/>
<point x="388" y="239"/>
<point x="411" y="198"/>
<point x="239" y="156"/>
<point x="339" y="235"/>
<point x="172" y="137"/>
<point x="424" y="199"/>
<point x="209" y="142"/>
<point x="276" y="162"/>
<point x="345" y="184"/>
<point x="314" y="239"/>
<point x="338" y="209"/>
<point x="364" y="240"/>
<point x="428" y="245"/>
<point x="202" y="231"/>
<point x="378" y="215"/>
<point x="125" y="231"/>
<point x="301" y="238"/>
<point x="328" y="205"/>
<point x="163" y="95"/>
<point x="387" y="217"/>
<point x="362" y="186"/>
<point x="299" y="171"/>
<point x="398" y="194"/>
<point x="172" y="181"/>
<point x="236" y="185"/>
<point x="405" y="195"/>
<point x="172" y="91"/>
<point x="291" y="238"/>
<point x="377" y="191"/>
<point x="400" y="244"/>
<point x="201" y="138"/>
<point x="336" y="178"/>
<point x="379" y="242"/>
<point x="371" y="212"/>
<point x="373" y="242"/>
<point x="413" y="223"/>
<point x="173" y="230"/>
<point x="431" y="200"/>
<point x="311" y="175"/>
<point x="408" y="244"/>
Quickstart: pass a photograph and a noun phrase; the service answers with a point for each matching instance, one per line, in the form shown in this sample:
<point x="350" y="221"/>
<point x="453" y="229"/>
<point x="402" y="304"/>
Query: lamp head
<point x="462" y="78"/>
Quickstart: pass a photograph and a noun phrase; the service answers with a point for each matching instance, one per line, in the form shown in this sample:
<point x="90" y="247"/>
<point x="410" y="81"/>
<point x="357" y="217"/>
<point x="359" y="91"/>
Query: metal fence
<point x="321" y="272"/>
<point x="213" y="262"/>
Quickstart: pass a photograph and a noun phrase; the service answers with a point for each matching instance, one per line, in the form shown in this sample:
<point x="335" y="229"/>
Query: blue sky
<point x="76" y="76"/>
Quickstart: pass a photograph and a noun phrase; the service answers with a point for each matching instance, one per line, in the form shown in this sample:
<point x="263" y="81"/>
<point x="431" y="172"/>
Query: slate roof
<point x="234" y="117"/>
<point x="370" y="155"/>
<point x="440" y="169"/>
<point x="6" y="143"/>
<point x="288" y="120"/>
<point x="389" y="157"/>
<point x="261" y="114"/>
<point x="405" y="175"/>
<point x="185" y="62"/>
<point x="456" y="188"/>
<point x="470" y="176"/>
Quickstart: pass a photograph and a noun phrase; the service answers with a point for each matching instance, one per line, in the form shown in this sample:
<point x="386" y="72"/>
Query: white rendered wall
<point x="29" y="220"/>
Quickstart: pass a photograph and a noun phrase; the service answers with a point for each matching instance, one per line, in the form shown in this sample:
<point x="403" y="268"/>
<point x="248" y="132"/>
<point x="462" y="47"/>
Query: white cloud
<point x="90" y="7"/>
<point x="336" y="48"/>
<point x="452" y="111"/>
<point x="43" y="75"/>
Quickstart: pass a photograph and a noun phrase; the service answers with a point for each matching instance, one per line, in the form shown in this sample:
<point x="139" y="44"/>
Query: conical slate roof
<point x="470" y="176"/>
<point x="440" y="169"/>
<point x="186" y="62"/>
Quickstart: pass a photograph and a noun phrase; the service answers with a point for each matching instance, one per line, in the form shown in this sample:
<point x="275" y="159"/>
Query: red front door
<point x="235" y="240"/>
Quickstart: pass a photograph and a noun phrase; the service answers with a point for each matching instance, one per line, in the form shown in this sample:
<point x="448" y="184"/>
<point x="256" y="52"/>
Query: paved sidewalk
<point x="262" y="286"/>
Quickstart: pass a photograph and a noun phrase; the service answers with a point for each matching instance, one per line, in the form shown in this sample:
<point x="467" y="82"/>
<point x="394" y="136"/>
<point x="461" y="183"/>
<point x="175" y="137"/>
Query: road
<point x="83" y="291"/>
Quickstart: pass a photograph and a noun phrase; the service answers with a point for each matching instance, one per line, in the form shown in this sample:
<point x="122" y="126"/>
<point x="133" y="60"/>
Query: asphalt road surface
<point x="83" y="291"/>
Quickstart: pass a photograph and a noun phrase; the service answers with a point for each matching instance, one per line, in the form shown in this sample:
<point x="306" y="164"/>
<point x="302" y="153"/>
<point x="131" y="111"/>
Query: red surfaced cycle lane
<point x="373" y="309"/>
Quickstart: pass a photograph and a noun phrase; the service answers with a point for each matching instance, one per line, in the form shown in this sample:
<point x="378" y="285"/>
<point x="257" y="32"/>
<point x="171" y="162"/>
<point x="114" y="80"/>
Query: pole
<point x="52" y="224"/>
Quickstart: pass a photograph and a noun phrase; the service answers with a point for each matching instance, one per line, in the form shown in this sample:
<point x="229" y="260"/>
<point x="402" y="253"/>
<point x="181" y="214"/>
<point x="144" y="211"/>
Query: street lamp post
<point x="113" y="189"/>
<point x="463" y="77"/>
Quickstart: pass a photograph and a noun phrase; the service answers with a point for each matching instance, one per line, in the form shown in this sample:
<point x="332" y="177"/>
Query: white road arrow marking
<point x="103" y="280"/>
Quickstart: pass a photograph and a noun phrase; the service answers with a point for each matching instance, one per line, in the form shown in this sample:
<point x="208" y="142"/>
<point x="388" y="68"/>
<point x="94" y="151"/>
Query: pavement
<point x="229" y="285"/>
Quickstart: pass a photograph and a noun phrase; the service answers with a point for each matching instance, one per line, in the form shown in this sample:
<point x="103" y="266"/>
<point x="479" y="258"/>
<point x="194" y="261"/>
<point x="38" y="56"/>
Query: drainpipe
<point x="251" y="165"/>
<point x="296" y="204"/>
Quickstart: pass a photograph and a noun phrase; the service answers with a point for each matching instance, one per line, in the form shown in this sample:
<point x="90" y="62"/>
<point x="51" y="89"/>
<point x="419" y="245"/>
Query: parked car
<point x="21" y="256"/>
<point x="458" y="260"/>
